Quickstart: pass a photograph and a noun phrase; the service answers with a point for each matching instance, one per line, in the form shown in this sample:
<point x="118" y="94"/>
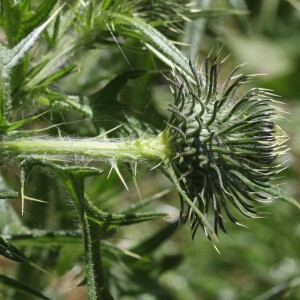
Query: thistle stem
<point x="96" y="277"/>
<point x="90" y="148"/>
<point x="91" y="235"/>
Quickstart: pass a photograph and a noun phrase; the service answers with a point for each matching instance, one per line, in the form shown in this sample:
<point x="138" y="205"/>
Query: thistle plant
<point x="219" y="148"/>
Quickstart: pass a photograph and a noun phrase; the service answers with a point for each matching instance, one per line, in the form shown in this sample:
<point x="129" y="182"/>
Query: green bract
<point x="224" y="144"/>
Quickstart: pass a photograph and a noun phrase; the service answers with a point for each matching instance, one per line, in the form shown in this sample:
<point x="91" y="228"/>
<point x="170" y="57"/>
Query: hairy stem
<point x="95" y="272"/>
<point x="91" y="234"/>
<point x="90" y="148"/>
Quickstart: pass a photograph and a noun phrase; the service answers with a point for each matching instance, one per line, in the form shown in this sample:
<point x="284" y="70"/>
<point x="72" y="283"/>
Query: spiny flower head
<point x="167" y="15"/>
<point x="224" y="144"/>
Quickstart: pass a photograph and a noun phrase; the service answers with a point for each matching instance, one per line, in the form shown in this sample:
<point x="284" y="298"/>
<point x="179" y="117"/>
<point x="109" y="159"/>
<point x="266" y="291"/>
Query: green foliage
<point x="18" y="20"/>
<point x="83" y="97"/>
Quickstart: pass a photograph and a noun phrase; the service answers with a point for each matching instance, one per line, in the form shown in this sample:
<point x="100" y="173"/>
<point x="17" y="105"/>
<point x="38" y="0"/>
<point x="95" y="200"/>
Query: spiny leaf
<point x="156" y="42"/>
<point x="117" y="220"/>
<point x="111" y="221"/>
<point x="40" y="238"/>
<point x="9" y="58"/>
<point x="77" y="172"/>
<point x="89" y="14"/>
<point x="19" y="286"/>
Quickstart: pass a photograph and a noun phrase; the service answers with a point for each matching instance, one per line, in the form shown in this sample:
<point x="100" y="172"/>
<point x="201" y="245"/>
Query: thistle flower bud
<point x="224" y="146"/>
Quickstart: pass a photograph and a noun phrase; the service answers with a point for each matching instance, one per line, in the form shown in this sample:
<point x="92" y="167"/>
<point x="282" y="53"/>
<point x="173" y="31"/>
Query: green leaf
<point x="279" y="194"/>
<point x="19" y="286"/>
<point x="116" y="220"/>
<point x="11" y="252"/>
<point x="9" y="20"/>
<point x="76" y="172"/>
<point x="40" y="238"/>
<point x="274" y="191"/>
<point x="59" y="102"/>
<point x="32" y="20"/>
<point x="55" y="33"/>
<point x="9" y="58"/>
<point x="215" y="12"/>
<point x="37" y="68"/>
<point x="72" y="178"/>
<point x="6" y="128"/>
<point x="18" y="21"/>
<point x="156" y="42"/>
<point x="89" y="14"/>
<point x="105" y="103"/>
<point x="56" y="76"/>
<point x="82" y="171"/>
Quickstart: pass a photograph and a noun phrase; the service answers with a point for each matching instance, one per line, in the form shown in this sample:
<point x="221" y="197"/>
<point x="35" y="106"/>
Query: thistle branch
<point x="219" y="150"/>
